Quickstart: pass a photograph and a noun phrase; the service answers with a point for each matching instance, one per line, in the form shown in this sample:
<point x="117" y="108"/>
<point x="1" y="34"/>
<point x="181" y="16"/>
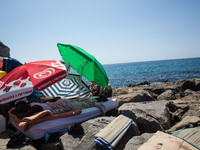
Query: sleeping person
<point x="25" y="109"/>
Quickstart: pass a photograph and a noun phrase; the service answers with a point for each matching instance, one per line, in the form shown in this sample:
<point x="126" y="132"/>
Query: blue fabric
<point x="49" y="133"/>
<point x="34" y="97"/>
<point x="12" y="63"/>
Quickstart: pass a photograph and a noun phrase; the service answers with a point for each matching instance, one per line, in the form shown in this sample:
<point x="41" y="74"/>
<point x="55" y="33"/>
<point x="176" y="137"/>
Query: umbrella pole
<point x="68" y="68"/>
<point x="81" y="79"/>
<point x="39" y="95"/>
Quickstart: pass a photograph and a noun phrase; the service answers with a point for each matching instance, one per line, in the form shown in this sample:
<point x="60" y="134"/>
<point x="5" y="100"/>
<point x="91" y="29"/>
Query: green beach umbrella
<point x="84" y="63"/>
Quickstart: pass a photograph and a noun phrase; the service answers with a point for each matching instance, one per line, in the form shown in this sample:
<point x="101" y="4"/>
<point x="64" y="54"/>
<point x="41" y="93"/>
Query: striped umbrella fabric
<point x="68" y="88"/>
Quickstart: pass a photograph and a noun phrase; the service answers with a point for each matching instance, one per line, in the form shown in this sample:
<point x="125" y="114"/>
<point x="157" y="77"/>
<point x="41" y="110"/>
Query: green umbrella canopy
<point x="84" y="63"/>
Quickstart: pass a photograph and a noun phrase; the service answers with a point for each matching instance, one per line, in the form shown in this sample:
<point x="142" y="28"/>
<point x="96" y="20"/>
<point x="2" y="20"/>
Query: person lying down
<point x="25" y="109"/>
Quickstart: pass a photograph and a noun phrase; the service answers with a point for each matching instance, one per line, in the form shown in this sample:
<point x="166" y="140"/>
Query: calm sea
<point x="121" y="75"/>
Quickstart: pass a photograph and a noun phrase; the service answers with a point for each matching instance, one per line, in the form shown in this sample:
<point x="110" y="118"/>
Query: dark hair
<point x="21" y="106"/>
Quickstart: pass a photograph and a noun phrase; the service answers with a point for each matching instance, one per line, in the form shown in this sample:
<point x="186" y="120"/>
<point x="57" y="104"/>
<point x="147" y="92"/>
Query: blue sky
<point x="114" y="31"/>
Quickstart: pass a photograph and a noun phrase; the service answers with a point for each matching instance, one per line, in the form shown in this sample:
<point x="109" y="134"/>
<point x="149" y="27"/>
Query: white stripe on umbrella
<point x="68" y="88"/>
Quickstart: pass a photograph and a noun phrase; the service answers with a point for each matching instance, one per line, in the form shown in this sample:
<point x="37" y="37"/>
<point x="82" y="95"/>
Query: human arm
<point x="12" y="114"/>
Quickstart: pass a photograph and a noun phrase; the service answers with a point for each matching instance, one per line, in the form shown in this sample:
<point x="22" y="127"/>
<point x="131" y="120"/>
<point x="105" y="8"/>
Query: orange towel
<point x="27" y="122"/>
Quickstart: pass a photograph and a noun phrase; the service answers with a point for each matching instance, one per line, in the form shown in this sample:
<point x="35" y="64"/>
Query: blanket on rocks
<point x="165" y="141"/>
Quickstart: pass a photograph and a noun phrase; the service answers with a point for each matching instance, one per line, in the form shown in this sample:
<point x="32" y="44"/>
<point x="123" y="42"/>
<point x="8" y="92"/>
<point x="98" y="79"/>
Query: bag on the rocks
<point x="97" y="90"/>
<point x="76" y="129"/>
<point x="17" y="139"/>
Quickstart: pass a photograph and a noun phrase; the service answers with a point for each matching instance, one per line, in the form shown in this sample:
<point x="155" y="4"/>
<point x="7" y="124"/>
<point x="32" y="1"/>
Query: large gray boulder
<point x="167" y="95"/>
<point x="149" y="116"/>
<point x="192" y="84"/>
<point x="91" y="128"/>
<point x="197" y="84"/>
<point x="126" y="95"/>
<point x="186" y="84"/>
<point x="194" y="110"/>
<point x="4" y="50"/>
<point x="163" y="85"/>
<point x="188" y="121"/>
<point x="135" y="142"/>
<point x="187" y="106"/>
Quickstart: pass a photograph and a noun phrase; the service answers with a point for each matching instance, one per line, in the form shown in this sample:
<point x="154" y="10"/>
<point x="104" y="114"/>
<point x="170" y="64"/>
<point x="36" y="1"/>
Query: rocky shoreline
<point x="160" y="106"/>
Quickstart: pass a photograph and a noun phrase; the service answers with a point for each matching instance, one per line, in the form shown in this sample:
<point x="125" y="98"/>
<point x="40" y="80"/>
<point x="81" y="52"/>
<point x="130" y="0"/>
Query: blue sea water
<point x="120" y="75"/>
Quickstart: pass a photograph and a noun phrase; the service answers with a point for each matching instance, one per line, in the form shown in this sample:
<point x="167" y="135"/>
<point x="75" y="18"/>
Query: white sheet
<point x="39" y="130"/>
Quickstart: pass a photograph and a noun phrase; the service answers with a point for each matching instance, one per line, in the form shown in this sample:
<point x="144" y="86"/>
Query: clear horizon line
<point x="152" y="60"/>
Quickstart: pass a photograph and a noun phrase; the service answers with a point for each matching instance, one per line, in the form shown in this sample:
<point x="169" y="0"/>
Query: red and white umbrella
<point x="38" y="74"/>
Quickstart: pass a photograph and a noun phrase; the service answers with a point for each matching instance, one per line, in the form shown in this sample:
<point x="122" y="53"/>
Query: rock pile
<point x="4" y="50"/>
<point x="161" y="106"/>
